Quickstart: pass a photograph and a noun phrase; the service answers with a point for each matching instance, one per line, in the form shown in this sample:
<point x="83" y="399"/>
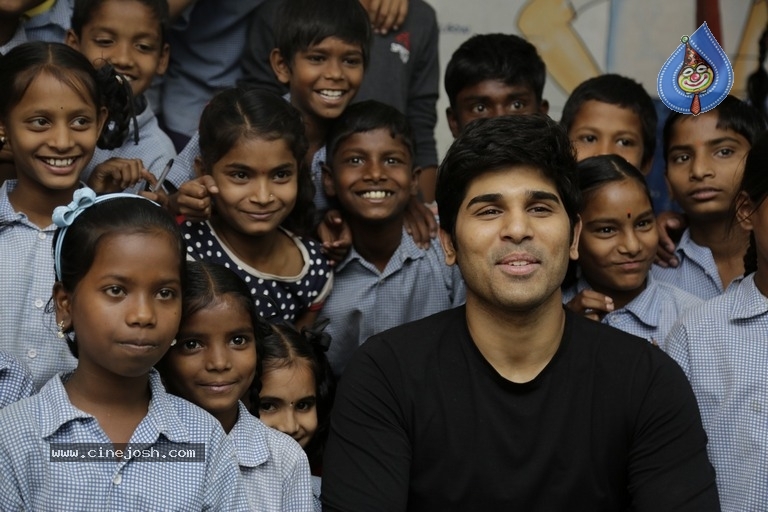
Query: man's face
<point x="512" y="240"/>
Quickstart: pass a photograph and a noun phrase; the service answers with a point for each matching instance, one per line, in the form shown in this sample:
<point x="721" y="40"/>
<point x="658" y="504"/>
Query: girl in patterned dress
<point x="252" y="145"/>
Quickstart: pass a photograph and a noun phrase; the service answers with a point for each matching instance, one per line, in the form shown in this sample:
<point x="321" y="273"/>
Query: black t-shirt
<point x="422" y="422"/>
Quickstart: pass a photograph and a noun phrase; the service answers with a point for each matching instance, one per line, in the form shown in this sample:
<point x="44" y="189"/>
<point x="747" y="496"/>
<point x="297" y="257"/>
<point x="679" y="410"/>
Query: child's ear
<point x="72" y="40"/>
<point x="415" y="181"/>
<point x="574" y="249"/>
<point x="280" y="66"/>
<point x="544" y="107"/>
<point x="328" y="186"/>
<point x="162" y="63"/>
<point x="62" y="300"/>
<point x="453" y="123"/>
<point x="448" y="249"/>
<point x="744" y="210"/>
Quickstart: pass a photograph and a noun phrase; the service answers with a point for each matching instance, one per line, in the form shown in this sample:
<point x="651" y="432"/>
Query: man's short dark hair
<point x="620" y="91"/>
<point x="494" y="144"/>
<point x="504" y="57"/>
<point x="301" y="24"/>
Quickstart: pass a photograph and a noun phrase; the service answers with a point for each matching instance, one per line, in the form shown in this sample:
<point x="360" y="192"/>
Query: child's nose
<point x="218" y="359"/>
<point x="333" y="69"/>
<point x="61" y="138"/>
<point x="121" y="56"/>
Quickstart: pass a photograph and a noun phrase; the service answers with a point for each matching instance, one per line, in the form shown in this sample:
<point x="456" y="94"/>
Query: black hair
<point x="121" y="215"/>
<point x="285" y="347"/>
<point x="206" y="284"/>
<point x="754" y="183"/>
<point x="733" y="114"/>
<point x="301" y="24"/>
<point x="493" y="144"/>
<point x="757" y="82"/>
<point x="504" y="57"/>
<point x="104" y="88"/>
<point x="83" y="11"/>
<point x="367" y="116"/>
<point x="596" y="171"/>
<point x="620" y="91"/>
<point x="256" y="113"/>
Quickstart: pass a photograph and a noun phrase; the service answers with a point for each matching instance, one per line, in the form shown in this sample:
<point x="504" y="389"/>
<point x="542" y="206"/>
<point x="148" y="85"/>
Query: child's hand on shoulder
<point x="194" y="200"/>
<point x="671" y="226"/>
<point x="420" y="223"/>
<point x="117" y="174"/>
<point x="386" y="15"/>
<point x="591" y="304"/>
<point x="335" y="235"/>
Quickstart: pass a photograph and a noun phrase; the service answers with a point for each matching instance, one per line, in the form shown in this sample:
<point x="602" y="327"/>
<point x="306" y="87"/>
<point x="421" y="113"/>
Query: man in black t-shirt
<point x="509" y="402"/>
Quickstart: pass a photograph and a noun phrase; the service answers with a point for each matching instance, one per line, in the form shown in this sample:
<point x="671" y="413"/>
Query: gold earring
<point x="60" y="333"/>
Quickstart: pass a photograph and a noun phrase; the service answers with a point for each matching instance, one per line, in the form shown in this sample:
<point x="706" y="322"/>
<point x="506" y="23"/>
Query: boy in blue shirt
<point x="129" y="35"/>
<point x="386" y="279"/>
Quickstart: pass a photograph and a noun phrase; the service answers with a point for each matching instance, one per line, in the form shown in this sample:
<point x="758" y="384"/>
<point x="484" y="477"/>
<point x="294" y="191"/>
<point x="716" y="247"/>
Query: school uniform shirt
<point x="277" y="298"/>
<point x="722" y="346"/>
<point x="650" y="315"/>
<point x="154" y="149"/>
<point x="274" y="467"/>
<point x="36" y="429"/>
<point x="51" y="25"/>
<point x="18" y="37"/>
<point x="697" y="272"/>
<point x="15" y="380"/>
<point x="365" y="301"/>
<point x="27" y="321"/>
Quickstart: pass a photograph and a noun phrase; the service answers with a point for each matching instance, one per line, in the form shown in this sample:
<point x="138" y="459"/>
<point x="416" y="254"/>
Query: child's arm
<point x="591" y="304"/>
<point x="670" y="225"/>
<point x="335" y="235"/>
<point x="386" y="15"/>
<point x="194" y="199"/>
<point x="117" y="174"/>
<point x="420" y="223"/>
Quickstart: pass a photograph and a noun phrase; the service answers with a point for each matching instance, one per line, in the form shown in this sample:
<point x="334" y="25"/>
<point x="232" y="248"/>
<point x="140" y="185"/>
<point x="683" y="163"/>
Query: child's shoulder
<point x="16" y="380"/>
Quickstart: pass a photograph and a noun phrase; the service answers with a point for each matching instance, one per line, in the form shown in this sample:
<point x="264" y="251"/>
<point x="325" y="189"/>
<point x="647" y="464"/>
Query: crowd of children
<point x="295" y="224"/>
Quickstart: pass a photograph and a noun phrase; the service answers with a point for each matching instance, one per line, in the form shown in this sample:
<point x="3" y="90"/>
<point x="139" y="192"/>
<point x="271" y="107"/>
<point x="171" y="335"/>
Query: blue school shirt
<point x="154" y="149"/>
<point x="32" y="479"/>
<point x="415" y="283"/>
<point x="273" y="466"/>
<point x="650" y="315"/>
<point x="722" y="346"/>
<point x="15" y="380"/>
<point x="27" y="321"/>
<point x="51" y="25"/>
<point x="697" y="273"/>
<point x="19" y="37"/>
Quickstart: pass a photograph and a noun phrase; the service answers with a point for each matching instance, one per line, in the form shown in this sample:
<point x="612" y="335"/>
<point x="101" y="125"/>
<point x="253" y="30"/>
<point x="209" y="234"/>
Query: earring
<point x="2" y="142"/>
<point x="173" y="342"/>
<point x="60" y="333"/>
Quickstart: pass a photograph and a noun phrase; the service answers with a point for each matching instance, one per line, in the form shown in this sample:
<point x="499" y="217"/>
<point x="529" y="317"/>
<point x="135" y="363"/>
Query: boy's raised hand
<point x="420" y="223"/>
<point x="386" y="15"/>
<point x="117" y="174"/>
<point x="335" y="235"/>
<point x="591" y="304"/>
<point x="670" y="225"/>
<point x="194" y="200"/>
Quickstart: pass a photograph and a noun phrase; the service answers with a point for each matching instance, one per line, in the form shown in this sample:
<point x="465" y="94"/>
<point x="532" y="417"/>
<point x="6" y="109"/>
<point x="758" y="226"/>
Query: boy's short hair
<point x="732" y="114"/>
<point x="83" y="12"/>
<point x="620" y="91"/>
<point x="300" y="24"/>
<point x="504" y="57"/>
<point x="494" y="144"/>
<point x="367" y="116"/>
